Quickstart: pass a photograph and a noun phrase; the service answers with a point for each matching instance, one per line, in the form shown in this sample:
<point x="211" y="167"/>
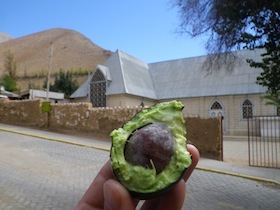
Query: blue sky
<point x="143" y="28"/>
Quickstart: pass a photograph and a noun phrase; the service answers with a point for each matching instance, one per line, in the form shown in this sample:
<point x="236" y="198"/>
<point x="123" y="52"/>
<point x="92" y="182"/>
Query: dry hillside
<point x="4" y="37"/>
<point x="71" y="51"/>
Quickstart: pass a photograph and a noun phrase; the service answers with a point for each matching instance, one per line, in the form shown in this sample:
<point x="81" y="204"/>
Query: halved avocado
<point x="149" y="154"/>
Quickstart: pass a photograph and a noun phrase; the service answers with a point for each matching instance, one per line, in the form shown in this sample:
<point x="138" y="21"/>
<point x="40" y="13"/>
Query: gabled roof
<point x="105" y="71"/>
<point x="129" y="75"/>
<point x="83" y="90"/>
<point x="187" y="78"/>
<point x="179" y="78"/>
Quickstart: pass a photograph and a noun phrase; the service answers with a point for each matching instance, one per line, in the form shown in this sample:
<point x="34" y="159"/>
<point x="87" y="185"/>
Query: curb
<point x="108" y="150"/>
<point x="239" y="175"/>
<point x="54" y="139"/>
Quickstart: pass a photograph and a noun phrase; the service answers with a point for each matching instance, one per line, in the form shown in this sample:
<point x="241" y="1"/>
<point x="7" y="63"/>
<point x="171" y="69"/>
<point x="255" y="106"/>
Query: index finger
<point x="95" y="190"/>
<point x="195" y="157"/>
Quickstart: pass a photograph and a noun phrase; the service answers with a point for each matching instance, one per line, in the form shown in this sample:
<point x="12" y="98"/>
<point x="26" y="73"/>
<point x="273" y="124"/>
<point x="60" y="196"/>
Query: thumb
<point x="116" y="197"/>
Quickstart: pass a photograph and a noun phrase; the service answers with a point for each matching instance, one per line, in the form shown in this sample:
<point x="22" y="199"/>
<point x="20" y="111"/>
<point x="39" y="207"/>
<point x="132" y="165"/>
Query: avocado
<point x="149" y="154"/>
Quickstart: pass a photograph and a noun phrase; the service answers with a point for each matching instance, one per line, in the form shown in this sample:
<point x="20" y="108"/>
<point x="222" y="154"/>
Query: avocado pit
<point x="151" y="146"/>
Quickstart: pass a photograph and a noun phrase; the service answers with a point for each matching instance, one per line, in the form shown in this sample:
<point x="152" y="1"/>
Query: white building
<point x="124" y="80"/>
<point x="54" y="97"/>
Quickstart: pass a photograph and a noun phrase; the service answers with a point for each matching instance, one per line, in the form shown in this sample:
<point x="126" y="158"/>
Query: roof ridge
<point x="122" y="71"/>
<point x="153" y="82"/>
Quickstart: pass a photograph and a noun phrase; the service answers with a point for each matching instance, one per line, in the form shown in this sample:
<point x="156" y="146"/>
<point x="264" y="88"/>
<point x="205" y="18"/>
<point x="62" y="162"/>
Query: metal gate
<point x="264" y="141"/>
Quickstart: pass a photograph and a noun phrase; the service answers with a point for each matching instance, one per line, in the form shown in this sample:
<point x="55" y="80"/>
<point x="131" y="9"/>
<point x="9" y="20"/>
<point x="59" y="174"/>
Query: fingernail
<point x="111" y="201"/>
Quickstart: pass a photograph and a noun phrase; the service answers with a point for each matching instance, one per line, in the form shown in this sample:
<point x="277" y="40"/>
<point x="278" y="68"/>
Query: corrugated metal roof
<point x="137" y="78"/>
<point x="117" y="85"/>
<point x="83" y="90"/>
<point x="187" y="78"/>
<point x="129" y="75"/>
<point x="176" y="78"/>
<point x="105" y="71"/>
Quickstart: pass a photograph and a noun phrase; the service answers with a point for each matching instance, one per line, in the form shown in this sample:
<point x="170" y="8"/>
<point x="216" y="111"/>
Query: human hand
<point x="105" y="192"/>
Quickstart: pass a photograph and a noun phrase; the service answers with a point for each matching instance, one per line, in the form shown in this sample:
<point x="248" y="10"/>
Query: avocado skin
<point x="143" y="183"/>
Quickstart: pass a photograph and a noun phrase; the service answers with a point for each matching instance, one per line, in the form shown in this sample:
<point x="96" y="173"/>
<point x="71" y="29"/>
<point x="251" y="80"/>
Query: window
<point x="98" y="89"/>
<point x="278" y="110"/>
<point x="216" y="110"/>
<point x="247" y="109"/>
<point x="216" y="105"/>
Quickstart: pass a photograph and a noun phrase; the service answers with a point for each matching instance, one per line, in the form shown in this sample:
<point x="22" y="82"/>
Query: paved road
<point x="42" y="174"/>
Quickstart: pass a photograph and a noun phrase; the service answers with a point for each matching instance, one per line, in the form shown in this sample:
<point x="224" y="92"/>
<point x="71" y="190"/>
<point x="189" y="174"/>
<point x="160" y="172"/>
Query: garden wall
<point x="25" y="112"/>
<point x="205" y="134"/>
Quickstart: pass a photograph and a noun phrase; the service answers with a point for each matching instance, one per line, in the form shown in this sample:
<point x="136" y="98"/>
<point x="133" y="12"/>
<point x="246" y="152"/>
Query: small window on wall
<point x="216" y="105"/>
<point x="216" y="110"/>
<point x="247" y="109"/>
<point x="278" y="110"/>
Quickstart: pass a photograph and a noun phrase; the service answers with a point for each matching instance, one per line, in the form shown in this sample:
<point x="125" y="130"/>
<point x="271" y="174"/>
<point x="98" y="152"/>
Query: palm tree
<point x="273" y="100"/>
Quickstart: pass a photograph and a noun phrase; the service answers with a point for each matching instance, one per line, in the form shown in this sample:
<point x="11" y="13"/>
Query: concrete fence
<point x="205" y="134"/>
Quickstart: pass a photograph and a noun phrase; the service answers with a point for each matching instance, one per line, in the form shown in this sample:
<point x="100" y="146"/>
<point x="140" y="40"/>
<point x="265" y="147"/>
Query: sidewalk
<point x="270" y="175"/>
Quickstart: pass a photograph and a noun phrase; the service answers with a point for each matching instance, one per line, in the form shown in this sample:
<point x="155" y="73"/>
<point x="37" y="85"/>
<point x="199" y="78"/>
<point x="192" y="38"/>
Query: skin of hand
<point x="105" y="192"/>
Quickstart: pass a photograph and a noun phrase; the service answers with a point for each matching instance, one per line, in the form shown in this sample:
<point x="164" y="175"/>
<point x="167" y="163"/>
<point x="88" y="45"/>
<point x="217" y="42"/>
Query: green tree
<point x="237" y="24"/>
<point x="10" y="79"/>
<point x="9" y="83"/>
<point x="64" y="83"/>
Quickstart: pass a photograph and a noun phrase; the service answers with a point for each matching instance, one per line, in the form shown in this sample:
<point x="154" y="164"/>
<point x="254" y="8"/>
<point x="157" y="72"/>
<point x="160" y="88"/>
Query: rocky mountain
<point x="71" y="51"/>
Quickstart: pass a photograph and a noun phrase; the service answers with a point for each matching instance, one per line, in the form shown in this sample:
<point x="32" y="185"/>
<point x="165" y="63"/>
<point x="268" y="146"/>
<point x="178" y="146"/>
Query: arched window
<point x="216" y="110"/>
<point x="98" y="89"/>
<point x="216" y="105"/>
<point x="247" y="109"/>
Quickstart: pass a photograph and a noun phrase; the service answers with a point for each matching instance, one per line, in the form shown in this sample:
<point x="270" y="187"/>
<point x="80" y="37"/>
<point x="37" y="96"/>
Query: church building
<point x="124" y="80"/>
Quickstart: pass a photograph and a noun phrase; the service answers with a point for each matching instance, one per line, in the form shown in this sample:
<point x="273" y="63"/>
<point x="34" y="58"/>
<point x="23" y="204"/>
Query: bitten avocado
<point x="149" y="154"/>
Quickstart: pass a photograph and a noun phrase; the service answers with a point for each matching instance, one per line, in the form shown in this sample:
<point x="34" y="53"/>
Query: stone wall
<point x="82" y="117"/>
<point x="25" y="112"/>
<point x="205" y="134"/>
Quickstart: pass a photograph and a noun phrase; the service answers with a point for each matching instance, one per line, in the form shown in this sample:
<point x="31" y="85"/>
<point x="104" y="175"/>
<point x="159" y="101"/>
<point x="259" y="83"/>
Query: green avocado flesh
<point x="141" y="179"/>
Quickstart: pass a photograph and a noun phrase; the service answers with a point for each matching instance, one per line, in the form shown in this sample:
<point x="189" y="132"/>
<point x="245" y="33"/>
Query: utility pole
<point x="49" y="71"/>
